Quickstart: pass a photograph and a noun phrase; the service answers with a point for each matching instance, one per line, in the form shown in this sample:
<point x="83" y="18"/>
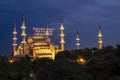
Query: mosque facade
<point x="38" y="44"/>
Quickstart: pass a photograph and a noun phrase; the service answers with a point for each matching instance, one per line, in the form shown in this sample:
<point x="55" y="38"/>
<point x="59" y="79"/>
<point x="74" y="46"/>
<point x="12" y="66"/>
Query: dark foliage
<point x="101" y="64"/>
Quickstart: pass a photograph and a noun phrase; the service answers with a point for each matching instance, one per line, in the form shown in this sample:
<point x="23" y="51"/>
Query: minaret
<point x="62" y="42"/>
<point x="77" y="41"/>
<point x="23" y="34"/>
<point x="14" y="40"/>
<point x="100" y="42"/>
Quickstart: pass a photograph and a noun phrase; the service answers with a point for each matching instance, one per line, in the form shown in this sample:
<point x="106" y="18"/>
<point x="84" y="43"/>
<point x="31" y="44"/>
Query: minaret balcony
<point x="77" y="44"/>
<point x="100" y="41"/>
<point x="14" y="39"/>
<point x="23" y="42"/>
<point x="23" y="34"/>
<point x="77" y="39"/>
<point x="23" y="27"/>
<point x="14" y="32"/>
<point x="14" y="44"/>
<point x="62" y="41"/>
<point x="99" y="35"/>
<point x="62" y="35"/>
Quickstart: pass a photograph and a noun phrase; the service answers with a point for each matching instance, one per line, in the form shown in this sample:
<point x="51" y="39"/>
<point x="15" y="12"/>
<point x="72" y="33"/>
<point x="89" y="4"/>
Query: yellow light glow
<point x="11" y="61"/>
<point x="81" y="60"/>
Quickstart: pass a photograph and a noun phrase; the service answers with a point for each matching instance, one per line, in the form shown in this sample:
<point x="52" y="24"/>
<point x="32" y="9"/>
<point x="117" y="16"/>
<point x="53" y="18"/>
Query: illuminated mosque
<point x="39" y="45"/>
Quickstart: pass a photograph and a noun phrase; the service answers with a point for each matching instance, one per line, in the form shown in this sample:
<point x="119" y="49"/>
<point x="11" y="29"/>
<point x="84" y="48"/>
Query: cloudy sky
<point x="81" y="15"/>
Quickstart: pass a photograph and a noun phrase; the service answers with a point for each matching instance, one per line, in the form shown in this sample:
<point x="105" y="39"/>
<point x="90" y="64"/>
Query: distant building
<point x="37" y="45"/>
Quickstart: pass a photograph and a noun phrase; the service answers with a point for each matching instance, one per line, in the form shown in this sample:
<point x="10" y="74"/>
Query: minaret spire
<point x="62" y="42"/>
<point x="14" y="40"/>
<point x="100" y="42"/>
<point x="23" y="34"/>
<point x="77" y="41"/>
<point x="23" y="21"/>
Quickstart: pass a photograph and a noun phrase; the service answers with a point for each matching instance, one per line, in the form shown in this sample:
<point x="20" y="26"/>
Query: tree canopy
<point x="83" y="64"/>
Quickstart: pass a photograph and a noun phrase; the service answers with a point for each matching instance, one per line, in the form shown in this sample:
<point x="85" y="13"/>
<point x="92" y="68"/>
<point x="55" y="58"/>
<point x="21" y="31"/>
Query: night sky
<point x="81" y="15"/>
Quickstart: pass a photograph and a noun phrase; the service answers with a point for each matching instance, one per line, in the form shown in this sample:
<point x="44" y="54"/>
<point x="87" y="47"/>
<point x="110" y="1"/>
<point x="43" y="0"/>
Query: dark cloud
<point x="82" y="15"/>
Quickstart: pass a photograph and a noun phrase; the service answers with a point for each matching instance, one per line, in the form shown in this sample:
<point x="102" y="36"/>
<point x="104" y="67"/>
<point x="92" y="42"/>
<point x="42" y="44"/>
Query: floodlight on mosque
<point x="43" y="31"/>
